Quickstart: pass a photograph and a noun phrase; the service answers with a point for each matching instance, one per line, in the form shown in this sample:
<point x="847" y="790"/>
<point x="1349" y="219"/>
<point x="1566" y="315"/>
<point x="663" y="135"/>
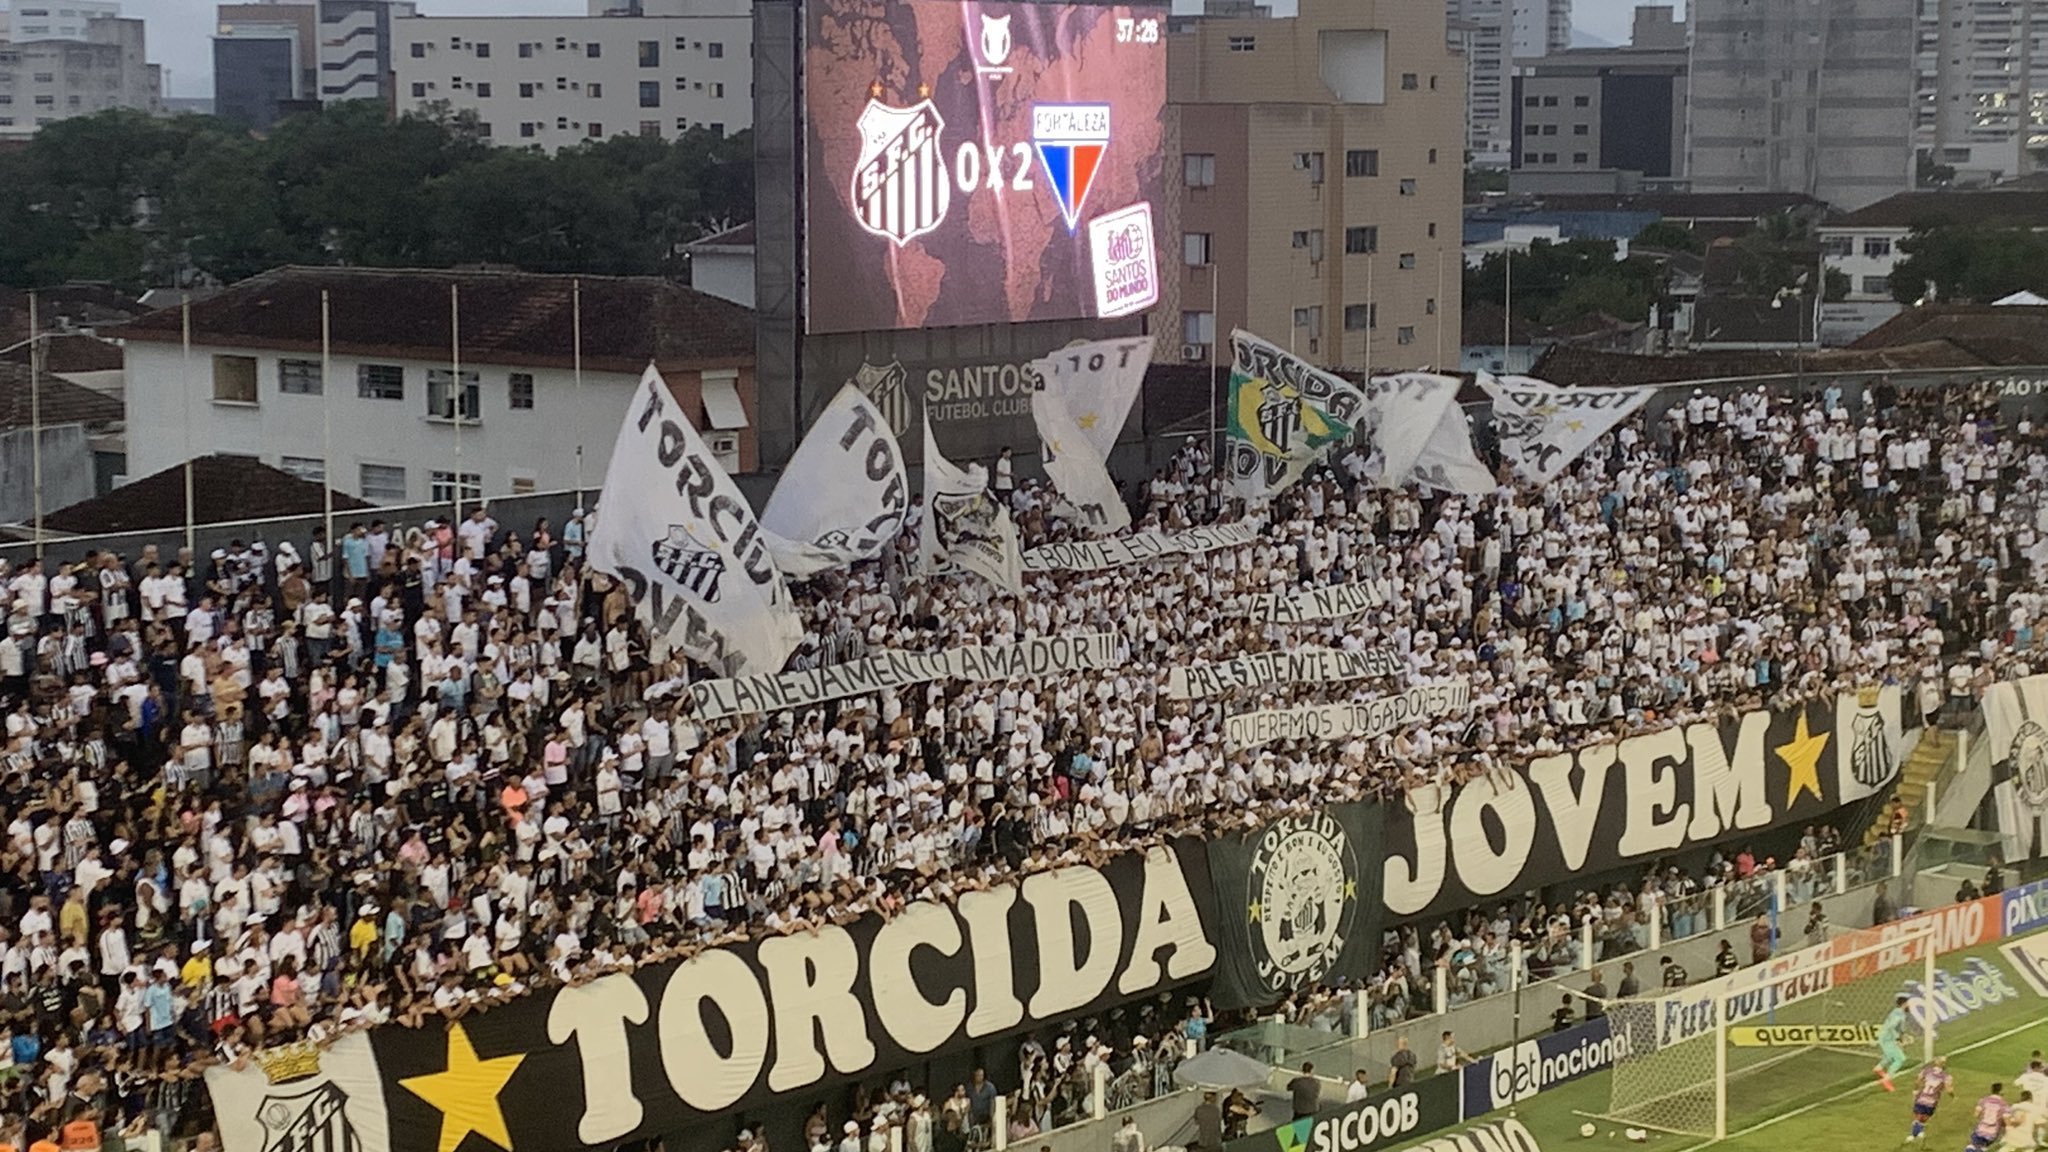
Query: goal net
<point x="1708" y="1057"/>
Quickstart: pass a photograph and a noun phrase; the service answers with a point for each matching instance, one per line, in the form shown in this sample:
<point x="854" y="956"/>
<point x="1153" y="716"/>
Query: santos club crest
<point x="887" y="387"/>
<point x="901" y="187"/>
<point x="1302" y="893"/>
<point x="681" y="558"/>
<point x="312" y="1121"/>
<point x="2030" y="765"/>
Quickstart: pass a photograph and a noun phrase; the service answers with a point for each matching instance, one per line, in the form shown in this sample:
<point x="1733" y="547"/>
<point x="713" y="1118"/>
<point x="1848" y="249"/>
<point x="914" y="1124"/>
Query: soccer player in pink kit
<point x="1927" y="1093"/>
<point x="1991" y="1111"/>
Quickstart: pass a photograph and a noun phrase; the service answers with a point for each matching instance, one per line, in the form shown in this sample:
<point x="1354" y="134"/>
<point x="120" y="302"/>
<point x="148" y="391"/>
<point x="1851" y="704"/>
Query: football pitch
<point x="1812" y="1103"/>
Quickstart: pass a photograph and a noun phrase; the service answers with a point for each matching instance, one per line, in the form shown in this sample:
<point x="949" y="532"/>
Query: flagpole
<point x="576" y="345"/>
<point x="1507" y="308"/>
<point x="1215" y="386"/>
<point x="185" y="324"/>
<point x="326" y="422"/>
<point x="1372" y="316"/>
<point x="35" y="420"/>
<point x="455" y="389"/>
<point x="1440" y="308"/>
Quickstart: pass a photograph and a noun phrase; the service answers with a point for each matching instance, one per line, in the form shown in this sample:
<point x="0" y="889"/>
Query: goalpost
<point x="1767" y="1036"/>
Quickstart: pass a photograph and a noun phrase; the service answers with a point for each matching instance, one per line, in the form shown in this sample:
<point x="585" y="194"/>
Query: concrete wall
<point x="67" y="471"/>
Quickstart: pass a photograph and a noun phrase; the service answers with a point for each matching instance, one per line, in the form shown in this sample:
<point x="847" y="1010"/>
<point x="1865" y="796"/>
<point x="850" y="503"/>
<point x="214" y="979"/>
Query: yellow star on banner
<point x="1256" y="911"/>
<point x="1087" y="420"/>
<point x="467" y="1093"/>
<point x="1802" y="756"/>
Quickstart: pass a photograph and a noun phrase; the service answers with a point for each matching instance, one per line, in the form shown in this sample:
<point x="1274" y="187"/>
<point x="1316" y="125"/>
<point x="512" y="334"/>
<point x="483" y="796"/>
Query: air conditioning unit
<point x="723" y="443"/>
<point x="1194" y="353"/>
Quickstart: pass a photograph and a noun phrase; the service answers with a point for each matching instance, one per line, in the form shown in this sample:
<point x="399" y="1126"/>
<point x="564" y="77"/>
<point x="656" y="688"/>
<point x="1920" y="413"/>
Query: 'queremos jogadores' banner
<point x="630" y="1057"/>
<point x="1351" y="718"/>
<point x="1030" y="658"/>
<point x="1608" y="804"/>
<point x="1295" y="906"/>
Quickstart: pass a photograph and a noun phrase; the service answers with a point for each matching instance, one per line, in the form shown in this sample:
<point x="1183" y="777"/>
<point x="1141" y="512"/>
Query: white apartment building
<point x="54" y="19"/>
<point x="1492" y="35"/>
<point x="44" y="81"/>
<point x="1982" y="105"/>
<point x="385" y="406"/>
<point x="549" y="82"/>
<point x="356" y="47"/>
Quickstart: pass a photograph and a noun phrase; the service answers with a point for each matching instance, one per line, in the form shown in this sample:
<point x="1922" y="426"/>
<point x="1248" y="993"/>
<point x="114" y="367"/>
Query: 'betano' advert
<point x="981" y="162"/>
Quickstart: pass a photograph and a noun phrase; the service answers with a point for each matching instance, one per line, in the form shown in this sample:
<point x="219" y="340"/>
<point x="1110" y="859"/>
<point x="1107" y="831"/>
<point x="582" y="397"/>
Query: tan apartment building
<point x="1317" y="197"/>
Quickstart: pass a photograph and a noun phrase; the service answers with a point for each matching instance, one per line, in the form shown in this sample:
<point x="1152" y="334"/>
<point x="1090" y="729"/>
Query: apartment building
<point x="1982" y="103"/>
<point x="1600" y="120"/>
<point x="266" y="60"/>
<point x="1493" y="35"/>
<point x="1804" y="97"/>
<point x="55" y="19"/>
<point x="355" y="48"/>
<point x="44" y="81"/>
<point x="548" y="82"/>
<point x="1319" y="185"/>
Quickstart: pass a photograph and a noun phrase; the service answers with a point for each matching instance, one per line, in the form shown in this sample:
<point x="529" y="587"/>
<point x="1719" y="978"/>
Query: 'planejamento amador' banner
<point x="1351" y="718"/>
<point x="1039" y="656"/>
<point x="1299" y="666"/>
<point x="1332" y="603"/>
<point x="1092" y="555"/>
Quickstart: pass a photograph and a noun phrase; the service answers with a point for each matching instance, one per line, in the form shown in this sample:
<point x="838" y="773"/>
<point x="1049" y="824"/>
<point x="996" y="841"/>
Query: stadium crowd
<point x="281" y="791"/>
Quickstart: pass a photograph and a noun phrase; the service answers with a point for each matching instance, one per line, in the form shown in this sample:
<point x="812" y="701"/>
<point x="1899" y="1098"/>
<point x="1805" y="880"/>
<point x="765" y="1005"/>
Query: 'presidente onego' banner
<point x="1296" y="666"/>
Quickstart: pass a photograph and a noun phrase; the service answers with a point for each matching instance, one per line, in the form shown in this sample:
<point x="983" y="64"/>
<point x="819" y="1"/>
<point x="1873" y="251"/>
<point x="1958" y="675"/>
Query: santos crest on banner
<point x="964" y="527"/>
<point x="676" y="529"/>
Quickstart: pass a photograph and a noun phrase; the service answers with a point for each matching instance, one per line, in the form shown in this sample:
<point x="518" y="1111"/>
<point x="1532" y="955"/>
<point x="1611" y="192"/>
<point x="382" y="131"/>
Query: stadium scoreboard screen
<point x="981" y="162"/>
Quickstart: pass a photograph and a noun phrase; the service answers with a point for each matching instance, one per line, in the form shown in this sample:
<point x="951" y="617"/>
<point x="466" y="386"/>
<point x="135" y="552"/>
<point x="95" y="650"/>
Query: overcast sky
<point x="180" y="31"/>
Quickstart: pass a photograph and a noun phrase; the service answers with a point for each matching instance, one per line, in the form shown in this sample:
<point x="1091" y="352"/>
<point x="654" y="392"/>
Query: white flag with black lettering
<point x="1447" y="462"/>
<point x="1083" y="395"/>
<point x="964" y="527"/>
<point x="1543" y="428"/>
<point x="843" y="496"/>
<point x="1407" y="414"/>
<point x="674" y="527"/>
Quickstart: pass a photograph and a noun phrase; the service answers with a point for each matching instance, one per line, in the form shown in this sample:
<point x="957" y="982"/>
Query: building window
<point x="1531" y="102"/>
<point x="595" y="89"/>
<point x="1408" y="186"/>
<point x="682" y="84"/>
<point x="682" y="43"/>
<point x="1429" y="306"/>
<point x="650" y="94"/>
<point x="526" y="90"/>
<point x="1310" y="319"/>
<point x="1582" y="101"/>
<point x="1838" y="245"/>
<point x="1432" y="155"/>
<point x="419" y="51"/>
<point x="483" y="51"/>
<point x="1550" y="101"/>
<point x="483" y="90"/>
<point x="718" y="91"/>
<point x="682" y="125"/>
<point x="1550" y="157"/>
<point x="1361" y="240"/>
<point x="525" y="51"/>
<point x="596" y="130"/>
<point x="1877" y="247"/>
<point x="1550" y="129"/>
<point x="1243" y="44"/>
<point x="593" y="50"/>
<point x="1195" y="248"/>
<point x="1200" y="169"/>
<point x="1198" y="327"/>
<point x="1580" y="158"/>
<point x="419" y="91"/>
<point x="446" y="483"/>
<point x="310" y="468"/>
<point x="1432" y="229"/>
<point x="522" y="391"/>
<point x="298" y="377"/>
<point x="382" y="483"/>
<point x="523" y="484"/>
<point x="1362" y="162"/>
<point x="561" y="123"/>
<point x="1407" y="261"/>
<point x="1405" y="334"/>
<point x="650" y="53"/>
<point x="1877" y="285"/>
<point x="561" y="83"/>
<point x="1361" y="317"/>
<point x="1581" y="130"/>
<point x="716" y="128"/>
<point x="234" y="379"/>
<point x="526" y="129"/>
<point x="385" y="381"/>
<point x="438" y="400"/>
<point x="1410" y="81"/>
<point x="715" y="50"/>
<point x="651" y="128"/>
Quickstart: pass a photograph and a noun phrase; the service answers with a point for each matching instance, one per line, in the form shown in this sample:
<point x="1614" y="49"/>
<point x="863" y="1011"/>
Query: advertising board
<point x="981" y="162"/>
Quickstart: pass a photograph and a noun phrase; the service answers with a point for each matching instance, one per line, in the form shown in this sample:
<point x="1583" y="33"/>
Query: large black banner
<point x="1609" y="804"/>
<point x="1294" y="905"/>
<point x="1381" y="1120"/>
<point x="626" y="1057"/>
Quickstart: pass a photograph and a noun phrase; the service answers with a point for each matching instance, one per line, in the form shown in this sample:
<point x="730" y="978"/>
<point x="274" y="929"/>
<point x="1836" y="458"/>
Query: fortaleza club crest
<point x="1302" y="895"/>
<point x="680" y="557"/>
<point x="901" y="187"/>
<point x="1070" y="139"/>
<point x="887" y="387"/>
<point x="1870" y="750"/>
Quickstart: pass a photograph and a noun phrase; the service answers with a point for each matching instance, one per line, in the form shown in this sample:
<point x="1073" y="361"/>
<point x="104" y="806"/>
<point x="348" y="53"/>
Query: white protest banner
<point x="674" y="527"/>
<point x="1543" y="428"/>
<point x="1026" y="659"/>
<point x="843" y="496"/>
<point x="1094" y="555"/>
<point x="1082" y="396"/>
<point x="1297" y="666"/>
<point x="1350" y="719"/>
<point x="964" y="527"/>
<point x="1333" y="602"/>
<point x="1447" y="462"/>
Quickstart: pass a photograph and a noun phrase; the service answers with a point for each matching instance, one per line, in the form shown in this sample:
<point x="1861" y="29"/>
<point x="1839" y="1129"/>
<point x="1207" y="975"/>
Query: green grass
<point x="1819" y="1102"/>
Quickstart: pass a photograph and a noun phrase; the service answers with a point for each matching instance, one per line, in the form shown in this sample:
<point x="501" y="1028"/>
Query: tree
<point x="1969" y="264"/>
<point x="1665" y="236"/>
<point x="1556" y="284"/>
